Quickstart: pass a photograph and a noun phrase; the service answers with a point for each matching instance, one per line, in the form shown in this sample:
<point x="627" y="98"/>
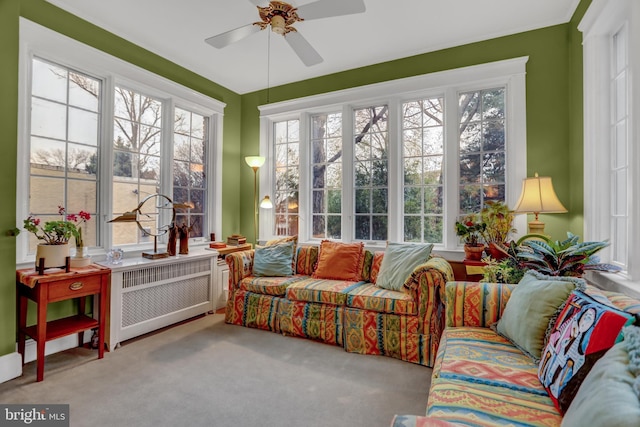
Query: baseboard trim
<point x="10" y="366"/>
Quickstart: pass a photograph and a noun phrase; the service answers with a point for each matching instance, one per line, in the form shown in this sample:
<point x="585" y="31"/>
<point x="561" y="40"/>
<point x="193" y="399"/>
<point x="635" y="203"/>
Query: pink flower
<point x="36" y="221"/>
<point x="72" y="217"/>
<point x="85" y="216"/>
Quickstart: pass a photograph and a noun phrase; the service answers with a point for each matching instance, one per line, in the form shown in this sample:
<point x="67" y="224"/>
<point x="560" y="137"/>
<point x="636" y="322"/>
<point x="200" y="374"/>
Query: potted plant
<point x="499" y="220"/>
<point x="55" y="236"/>
<point x="470" y="229"/>
<point x="569" y="257"/>
<point x="555" y="258"/>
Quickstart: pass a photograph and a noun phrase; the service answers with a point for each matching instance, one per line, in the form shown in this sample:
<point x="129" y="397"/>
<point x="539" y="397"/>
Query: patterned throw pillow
<point x="340" y="261"/>
<point x="610" y="394"/>
<point x="584" y="330"/>
<point x="375" y="266"/>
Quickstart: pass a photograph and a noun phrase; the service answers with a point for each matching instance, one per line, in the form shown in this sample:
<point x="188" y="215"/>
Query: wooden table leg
<point x="102" y="315"/>
<point x="22" y="321"/>
<point x="41" y="334"/>
<point x="81" y="310"/>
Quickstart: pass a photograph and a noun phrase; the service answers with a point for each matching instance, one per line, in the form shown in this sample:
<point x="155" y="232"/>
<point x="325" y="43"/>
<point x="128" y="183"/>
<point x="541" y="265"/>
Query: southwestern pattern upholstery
<point x="356" y="315"/>
<point x="480" y="378"/>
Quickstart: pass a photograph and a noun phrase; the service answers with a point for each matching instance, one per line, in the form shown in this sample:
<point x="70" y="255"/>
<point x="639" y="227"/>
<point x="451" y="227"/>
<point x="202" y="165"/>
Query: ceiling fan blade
<point x="232" y="36"/>
<point x="327" y="8"/>
<point x="303" y="49"/>
<point x="256" y="2"/>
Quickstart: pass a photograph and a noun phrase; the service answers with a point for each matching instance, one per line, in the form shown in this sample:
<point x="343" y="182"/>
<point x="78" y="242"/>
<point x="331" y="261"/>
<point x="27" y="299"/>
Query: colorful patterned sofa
<point x="356" y="315"/>
<point x="482" y="379"/>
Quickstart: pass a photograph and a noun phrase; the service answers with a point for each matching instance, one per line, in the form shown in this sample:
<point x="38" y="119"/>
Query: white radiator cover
<point x="150" y="294"/>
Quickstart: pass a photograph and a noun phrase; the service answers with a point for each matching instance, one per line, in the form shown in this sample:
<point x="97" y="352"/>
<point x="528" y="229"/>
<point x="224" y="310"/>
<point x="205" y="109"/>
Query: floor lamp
<point x="538" y="196"/>
<point x="255" y="162"/>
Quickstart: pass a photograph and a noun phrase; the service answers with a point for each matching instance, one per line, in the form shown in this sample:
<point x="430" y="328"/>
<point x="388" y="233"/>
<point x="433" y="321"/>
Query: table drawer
<point x="75" y="287"/>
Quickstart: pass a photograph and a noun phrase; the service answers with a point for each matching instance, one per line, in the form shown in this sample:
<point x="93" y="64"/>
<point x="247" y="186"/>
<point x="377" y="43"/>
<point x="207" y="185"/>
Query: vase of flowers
<point x="55" y="236"/>
<point x="470" y="229"/>
<point x="81" y="218"/>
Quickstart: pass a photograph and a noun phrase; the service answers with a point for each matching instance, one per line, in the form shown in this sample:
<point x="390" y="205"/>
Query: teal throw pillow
<point x="610" y="393"/>
<point x="273" y="260"/>
<point x="533" y="304"/>
<point x="399" y="261"/>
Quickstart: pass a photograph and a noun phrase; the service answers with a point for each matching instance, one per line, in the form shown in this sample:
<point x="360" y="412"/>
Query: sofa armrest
<point x="475" y="304"/>
<point x="426" y="285"/>
<point x="240" y="266"/>
<point x="419" y="421"/>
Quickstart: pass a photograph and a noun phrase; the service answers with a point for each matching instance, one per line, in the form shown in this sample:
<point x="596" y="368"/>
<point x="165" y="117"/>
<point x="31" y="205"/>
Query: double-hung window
<point x="611" y="154"/>
<point x="94" y="141"/>
<point x="397" y="161"/>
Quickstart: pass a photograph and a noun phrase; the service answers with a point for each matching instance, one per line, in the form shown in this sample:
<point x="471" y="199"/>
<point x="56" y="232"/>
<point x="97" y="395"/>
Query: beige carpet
<point x="207" y="373"/>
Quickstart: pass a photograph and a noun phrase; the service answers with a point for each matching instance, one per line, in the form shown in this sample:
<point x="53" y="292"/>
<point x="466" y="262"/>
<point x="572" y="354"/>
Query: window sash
<point x="37" y="41"/>
<point x="509" y="74"/>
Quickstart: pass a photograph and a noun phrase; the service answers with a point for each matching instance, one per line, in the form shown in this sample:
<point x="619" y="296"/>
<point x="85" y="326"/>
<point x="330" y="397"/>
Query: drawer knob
<point x="75" y="286"/>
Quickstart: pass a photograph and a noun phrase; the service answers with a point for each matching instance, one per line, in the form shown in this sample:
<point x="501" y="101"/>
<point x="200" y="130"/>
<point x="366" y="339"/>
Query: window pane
<point x="137" y="170"/>
<point x="423" y="152"/>
<point x="63" y="151"/>
<point x="189" y="168"/>
<point x="48" y="119"/>
<point x="287" y="176"/>
<point x="371" y="171"/>
<point x="482" y="170"/>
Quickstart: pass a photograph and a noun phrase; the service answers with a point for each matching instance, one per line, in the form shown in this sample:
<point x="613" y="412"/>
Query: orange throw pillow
<point x="339" y="261"/>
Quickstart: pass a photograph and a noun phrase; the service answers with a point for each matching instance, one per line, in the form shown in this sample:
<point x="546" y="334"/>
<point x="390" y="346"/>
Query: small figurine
<point x="173" y="239"/>
<point x="184" y="239"/>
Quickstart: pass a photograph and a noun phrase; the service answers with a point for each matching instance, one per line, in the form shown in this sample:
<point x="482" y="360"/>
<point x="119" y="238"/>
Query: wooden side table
<point x="59" y="286"/>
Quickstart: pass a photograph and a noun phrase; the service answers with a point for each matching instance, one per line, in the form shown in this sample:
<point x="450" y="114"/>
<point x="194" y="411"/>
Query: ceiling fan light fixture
<point x="278" y="24"/>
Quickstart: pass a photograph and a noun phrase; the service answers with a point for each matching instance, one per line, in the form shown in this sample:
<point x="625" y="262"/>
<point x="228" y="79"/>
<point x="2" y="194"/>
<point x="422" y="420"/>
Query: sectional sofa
<point x="353" y="313"/>
<point x="482" y="378"/>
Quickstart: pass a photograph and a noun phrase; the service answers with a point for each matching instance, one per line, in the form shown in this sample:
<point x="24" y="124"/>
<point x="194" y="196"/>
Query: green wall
<point x="554" y="115"/>
<point x="549" y="127"/>
<point x="45" y="14"/>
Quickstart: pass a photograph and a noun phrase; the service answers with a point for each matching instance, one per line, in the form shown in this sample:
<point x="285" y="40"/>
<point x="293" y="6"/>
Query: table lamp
<point x="538" y="196"/>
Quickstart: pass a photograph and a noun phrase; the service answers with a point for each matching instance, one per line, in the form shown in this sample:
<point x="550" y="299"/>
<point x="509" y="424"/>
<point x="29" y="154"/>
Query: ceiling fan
<point x="281" y="16"/>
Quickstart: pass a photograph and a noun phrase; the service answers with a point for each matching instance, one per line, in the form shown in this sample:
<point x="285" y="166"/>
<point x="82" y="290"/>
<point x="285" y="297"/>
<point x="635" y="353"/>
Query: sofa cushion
<point x="286" y="239"/>
<point x="609" y="393"/>
<point x="321" y="290"/>
<point x="269" y="285"/>
<point x="481" y="379"/>
<point x="378" y="256"/>
<point x="399" y="261"/>
<point x="468" y="404"/>
<point x="583" y="332"/>
<point x="274" y="260"/>
<point x="481" y="356"/>
<point x="372" y="298"/>
<point x="306" y="259"/>
<point x="533" y="304"/>
<point x="339" y="261"/>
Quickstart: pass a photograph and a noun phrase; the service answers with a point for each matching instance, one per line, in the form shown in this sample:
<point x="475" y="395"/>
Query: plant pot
<point x="495" y="253"/>
<point x="53" y="255"/>
<point x="474" y="253"/>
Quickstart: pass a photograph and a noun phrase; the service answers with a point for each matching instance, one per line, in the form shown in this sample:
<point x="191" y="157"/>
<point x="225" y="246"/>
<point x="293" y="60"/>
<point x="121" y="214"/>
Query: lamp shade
<point x="266" y="203"/>
<point x="254" y="161"/>
<point x="538" y="196"/>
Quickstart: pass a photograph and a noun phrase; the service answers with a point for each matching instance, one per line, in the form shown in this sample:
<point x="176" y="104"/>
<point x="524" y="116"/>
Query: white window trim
<point x="603" y="19"/>
<point x="509" y="73"/>
<point x="36" y="40"/>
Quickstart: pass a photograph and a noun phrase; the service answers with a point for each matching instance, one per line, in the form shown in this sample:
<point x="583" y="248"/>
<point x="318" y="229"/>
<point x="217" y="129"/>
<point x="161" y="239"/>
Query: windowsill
<point x="614" y="282"/>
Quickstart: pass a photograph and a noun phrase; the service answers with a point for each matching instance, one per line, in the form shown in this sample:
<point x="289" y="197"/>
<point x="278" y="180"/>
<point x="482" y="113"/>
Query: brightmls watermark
<point x="34" y="415"/>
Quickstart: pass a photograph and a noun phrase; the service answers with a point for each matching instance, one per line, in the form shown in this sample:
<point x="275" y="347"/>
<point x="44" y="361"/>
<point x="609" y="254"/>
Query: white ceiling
<point x="387" y="30"/>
